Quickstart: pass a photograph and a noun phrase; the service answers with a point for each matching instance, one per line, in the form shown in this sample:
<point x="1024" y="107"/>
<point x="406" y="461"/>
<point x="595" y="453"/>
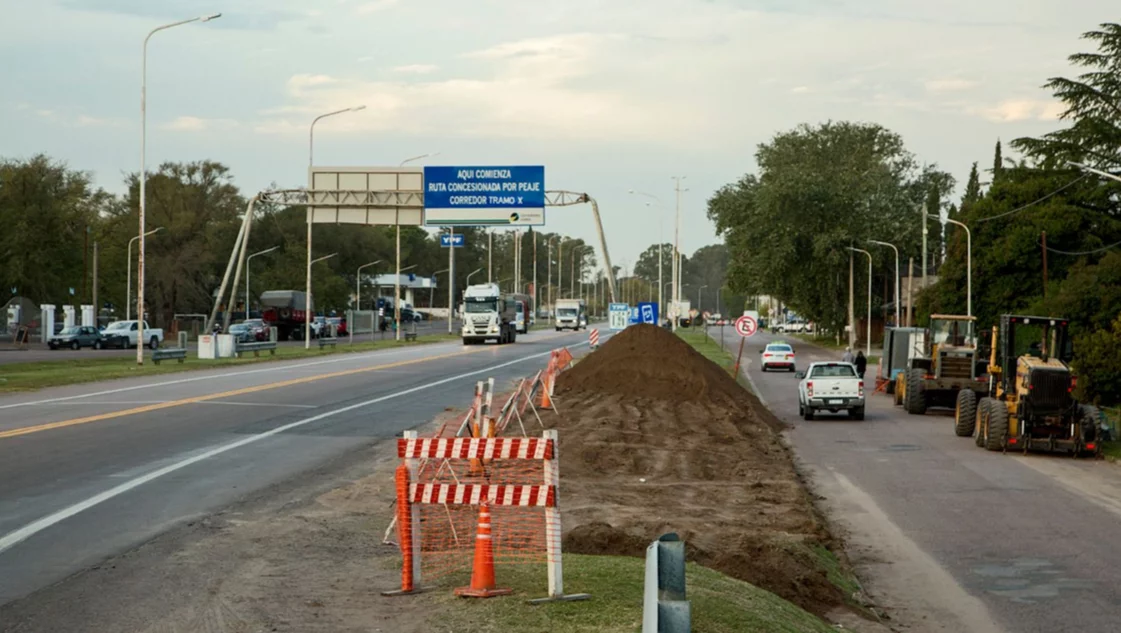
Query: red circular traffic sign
<point x="746" y="326"/>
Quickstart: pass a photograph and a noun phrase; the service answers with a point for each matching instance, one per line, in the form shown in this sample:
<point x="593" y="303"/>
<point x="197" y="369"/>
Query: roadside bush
<point x="1097" y="361"/>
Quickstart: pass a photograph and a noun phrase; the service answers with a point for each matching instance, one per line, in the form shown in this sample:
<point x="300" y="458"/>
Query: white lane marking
<point x="35" y="527"/>
<point x="182" y="381"/>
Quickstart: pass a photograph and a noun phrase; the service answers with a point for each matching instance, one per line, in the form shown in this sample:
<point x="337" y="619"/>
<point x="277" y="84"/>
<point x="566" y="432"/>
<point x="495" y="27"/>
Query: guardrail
<point x="169" y="353"/>
<point x="256" y="347"/>
<point x="328" y="340"/>
<point x="664" y="607"/>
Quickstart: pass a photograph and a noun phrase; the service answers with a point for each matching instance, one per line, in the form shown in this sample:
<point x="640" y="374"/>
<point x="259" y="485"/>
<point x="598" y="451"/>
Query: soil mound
<point x="647" y="361"/>
<point x="656" y="438"/>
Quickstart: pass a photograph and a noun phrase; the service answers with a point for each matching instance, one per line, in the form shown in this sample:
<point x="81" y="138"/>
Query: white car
<point x="778" y="355"/>
<point x="833" y="387"/>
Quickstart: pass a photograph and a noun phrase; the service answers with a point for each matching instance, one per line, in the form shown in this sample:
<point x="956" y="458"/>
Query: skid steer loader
<point x="1030" y="403"/>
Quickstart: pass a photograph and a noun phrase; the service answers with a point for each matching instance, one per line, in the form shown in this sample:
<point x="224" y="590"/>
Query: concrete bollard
<point x="664" y="608"/>
<point x="182" y="340"/>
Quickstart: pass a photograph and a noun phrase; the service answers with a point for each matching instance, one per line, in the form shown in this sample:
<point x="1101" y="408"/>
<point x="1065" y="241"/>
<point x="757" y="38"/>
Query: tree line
<point x="1046" y="235"/>
<point x="53" y="215"/>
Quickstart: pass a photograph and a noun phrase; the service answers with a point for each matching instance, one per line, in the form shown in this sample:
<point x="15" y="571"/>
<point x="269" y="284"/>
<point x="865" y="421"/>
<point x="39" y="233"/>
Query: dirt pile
<point x="657" y="438"/>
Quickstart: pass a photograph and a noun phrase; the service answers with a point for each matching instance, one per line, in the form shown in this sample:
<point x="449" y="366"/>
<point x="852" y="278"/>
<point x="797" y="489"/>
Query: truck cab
<point x="488" y="315"/>
<point x="570" y="314"/>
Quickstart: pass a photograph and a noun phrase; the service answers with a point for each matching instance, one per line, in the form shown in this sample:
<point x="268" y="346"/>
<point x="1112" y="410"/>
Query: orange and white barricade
<point x="451" y="520"/>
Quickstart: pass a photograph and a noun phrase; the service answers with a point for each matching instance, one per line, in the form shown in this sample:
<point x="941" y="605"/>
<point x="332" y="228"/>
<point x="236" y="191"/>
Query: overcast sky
<point x="608" y="95"/>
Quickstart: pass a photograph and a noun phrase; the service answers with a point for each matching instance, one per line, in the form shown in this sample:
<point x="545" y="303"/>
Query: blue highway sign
<point x="484" y="196"/>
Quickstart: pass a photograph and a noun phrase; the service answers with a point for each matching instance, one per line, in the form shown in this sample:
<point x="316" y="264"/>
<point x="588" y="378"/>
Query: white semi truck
<point x="488" y="315"/>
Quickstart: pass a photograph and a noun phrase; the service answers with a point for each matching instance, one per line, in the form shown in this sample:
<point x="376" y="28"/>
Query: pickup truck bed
<point x="832" y="387"/>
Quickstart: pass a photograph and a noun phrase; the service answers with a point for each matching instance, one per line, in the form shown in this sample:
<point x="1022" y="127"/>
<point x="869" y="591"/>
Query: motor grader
<point x="1030" y="403"/>
<point x="942" y="363"/>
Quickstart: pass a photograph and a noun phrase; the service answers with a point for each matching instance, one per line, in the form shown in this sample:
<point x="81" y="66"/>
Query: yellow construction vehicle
<point x="942" y="362"/>
<point x="1030" y="403"/>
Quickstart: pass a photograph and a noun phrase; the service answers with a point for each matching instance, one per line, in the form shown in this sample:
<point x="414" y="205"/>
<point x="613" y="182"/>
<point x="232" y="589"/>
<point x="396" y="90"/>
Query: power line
<point x="1093" y="252"/>
<point x="1031" y="204"/>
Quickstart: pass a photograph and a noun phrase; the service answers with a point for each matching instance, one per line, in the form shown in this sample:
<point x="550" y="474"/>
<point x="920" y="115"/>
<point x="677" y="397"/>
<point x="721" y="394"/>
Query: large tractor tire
<point x="996" y="429"/>
<point x="915" y="398"/>
<point x="981" y="419"/>
<point x="965" y="414"/>
<point x="1089" y="422"/>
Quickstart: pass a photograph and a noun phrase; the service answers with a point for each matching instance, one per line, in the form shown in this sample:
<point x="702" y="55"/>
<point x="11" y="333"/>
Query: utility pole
<point x="533" y="235"/>
<point x="676" y="294"/>
<point x="85" y="262"/>
<point x="1045" y="264"/>
<point x="96" y="306"/>
<point x="910" y="291"/>
<point x="451" y="276"/>
<point x="852" y="314"/>
<point x="924" y="256"/>
<point x="490" y="256"/>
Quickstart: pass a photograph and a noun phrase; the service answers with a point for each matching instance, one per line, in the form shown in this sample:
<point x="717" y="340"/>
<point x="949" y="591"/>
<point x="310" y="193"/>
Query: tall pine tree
<point x="998" y="163"/>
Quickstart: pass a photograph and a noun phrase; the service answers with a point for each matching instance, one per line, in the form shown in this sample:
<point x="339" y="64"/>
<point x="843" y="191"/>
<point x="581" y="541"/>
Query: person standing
<point x="847" y="358"/>
<point x="861" y="364"/>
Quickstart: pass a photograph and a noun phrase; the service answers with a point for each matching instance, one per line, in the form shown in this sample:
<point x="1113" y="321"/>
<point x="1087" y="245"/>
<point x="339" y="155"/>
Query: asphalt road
<point x="959" y="538"/>
<point x="37" y="352"/>
<point x="90" y="471"/>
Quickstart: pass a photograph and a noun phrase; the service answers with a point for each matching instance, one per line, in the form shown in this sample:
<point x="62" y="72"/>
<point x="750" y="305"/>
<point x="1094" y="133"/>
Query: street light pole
<point x="451" y="274"/>
<point x="892" y="247"/>
<point x="247" y="260"/>
<point x="311" y="162"/>
<point x="358" y="285"/>
<point x="432" y="290"/>
<point x="472" y="274"/>
<point x="143" y="202"/>
<point x="968" y="264"/>
<point x="868" y="335"/>
<point x="677" y="252"/>
<point x="307" y="303"/>
<point x="128" y="275"/>
<point x="661" y="239"/>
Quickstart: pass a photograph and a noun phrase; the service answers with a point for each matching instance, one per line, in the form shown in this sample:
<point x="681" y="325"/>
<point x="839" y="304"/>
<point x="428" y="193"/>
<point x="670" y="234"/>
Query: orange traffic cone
<point x="546" y="387"/>
<point x="482" y="574"/>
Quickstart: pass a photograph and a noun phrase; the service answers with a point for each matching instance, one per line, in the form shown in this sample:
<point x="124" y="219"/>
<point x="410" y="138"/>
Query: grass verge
<point x="17" y="377"/>
<point x="719" y="603"/>
<point x="711" y="350"/>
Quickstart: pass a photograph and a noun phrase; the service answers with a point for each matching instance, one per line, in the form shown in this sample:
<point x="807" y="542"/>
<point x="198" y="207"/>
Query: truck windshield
<point x="475" y="307"/>
<point x="954" y="332"/>
<point x="566" y="312"/>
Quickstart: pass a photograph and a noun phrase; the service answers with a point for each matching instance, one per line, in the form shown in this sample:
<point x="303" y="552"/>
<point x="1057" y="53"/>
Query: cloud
<point x="948" y="85"/>
<point x="196" y="124"/>
<point x="526" y="89"/>
<point x="374" y="6"/>
<point x="1015" y="110"/>
<point x="416" y="69"/>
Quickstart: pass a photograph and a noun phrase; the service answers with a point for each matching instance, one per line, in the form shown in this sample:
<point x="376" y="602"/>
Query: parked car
<point x="259" y="328"/>
<point x="76" y="337"/>
<point x="340" y="325"/>
<point x="778" y="355"/>
<point x="242" y="333"/>
<point x="129" y="330"/>
<point x="830" y="386"/>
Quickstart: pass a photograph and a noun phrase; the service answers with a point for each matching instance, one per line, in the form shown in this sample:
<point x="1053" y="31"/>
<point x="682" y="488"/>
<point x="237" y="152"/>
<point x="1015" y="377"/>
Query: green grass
<point x="711" y="350"/>
<point x="1111" y="450"/>
<point x="719" y="603"/>
<point x="15" y="377"/>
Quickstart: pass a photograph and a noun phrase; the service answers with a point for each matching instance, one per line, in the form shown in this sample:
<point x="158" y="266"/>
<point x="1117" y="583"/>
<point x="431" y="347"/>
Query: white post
<point x="553" y="521"/>
<point x="397" y="281"/>
<point x="451" y="275"/>
<point x="490" y="256"/>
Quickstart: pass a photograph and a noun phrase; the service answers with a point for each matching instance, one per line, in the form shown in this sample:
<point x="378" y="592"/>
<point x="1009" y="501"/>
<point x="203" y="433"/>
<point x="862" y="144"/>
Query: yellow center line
<point x="227" y="394"/>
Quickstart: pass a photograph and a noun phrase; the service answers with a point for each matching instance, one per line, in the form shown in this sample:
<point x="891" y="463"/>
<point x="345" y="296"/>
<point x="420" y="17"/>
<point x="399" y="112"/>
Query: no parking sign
<point x="746" y="326"/>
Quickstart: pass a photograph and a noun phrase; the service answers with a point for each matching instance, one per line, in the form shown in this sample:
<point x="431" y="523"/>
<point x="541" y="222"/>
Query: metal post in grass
<point x="664" y="608"/>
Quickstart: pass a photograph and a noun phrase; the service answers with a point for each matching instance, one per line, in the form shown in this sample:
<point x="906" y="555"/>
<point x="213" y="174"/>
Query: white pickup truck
<point x="128" y="330"/>
<point x="832" y="387"/>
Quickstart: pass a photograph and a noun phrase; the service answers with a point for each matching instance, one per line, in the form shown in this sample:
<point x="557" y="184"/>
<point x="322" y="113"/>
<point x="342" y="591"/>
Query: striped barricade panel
<point x="475" y="448"/>
<point x="473" y="494"/>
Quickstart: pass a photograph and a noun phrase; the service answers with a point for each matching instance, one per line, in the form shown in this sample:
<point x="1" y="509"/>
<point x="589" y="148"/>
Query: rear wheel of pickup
<point x="857" y="413"/>
<point x="154" y="343"/>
